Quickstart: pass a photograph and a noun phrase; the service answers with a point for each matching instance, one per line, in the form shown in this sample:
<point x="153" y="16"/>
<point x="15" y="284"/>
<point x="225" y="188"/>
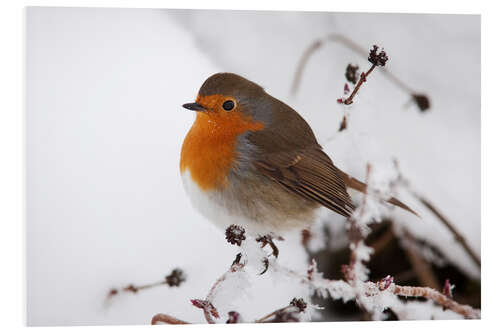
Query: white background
<point x="11" y="193"/>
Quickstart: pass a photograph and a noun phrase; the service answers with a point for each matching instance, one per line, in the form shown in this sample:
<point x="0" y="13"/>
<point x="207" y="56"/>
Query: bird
<point x="251" y="160"/>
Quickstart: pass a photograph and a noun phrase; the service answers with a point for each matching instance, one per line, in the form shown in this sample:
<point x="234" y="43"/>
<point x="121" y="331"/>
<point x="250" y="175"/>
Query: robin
<point x="251" y="160"/>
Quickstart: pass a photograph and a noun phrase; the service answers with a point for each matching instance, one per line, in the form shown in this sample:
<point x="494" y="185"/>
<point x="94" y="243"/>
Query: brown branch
<point x="422" y="268"/>
<point x="434" y="210"/>
<point x="382" y="241"/>
<point x="302" y="63"/>
<point x="164" y="318"/>
<point x="457" y="235"/>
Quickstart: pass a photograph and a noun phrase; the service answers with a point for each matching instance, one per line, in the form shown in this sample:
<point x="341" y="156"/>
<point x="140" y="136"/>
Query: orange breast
<point x="208" y="151"/>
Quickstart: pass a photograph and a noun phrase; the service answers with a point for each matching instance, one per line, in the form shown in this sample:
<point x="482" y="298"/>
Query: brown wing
<point x="309" y="173"/>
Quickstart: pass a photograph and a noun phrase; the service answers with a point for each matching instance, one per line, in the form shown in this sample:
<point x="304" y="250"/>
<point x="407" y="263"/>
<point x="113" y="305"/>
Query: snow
<point x="105" y="203"/>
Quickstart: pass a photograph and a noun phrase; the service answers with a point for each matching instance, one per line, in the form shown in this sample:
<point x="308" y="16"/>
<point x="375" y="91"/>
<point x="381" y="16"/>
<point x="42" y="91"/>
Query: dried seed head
<point x="351" y="73"/>
<point x="343" y="124"/>
<point x="235" y="234"/>
<point x="233" y="317"/>
<point x="422" y="101"/>
<point x="378" y="59"/>
<point x="175" y="278"/>
<point x="299" y="303"/>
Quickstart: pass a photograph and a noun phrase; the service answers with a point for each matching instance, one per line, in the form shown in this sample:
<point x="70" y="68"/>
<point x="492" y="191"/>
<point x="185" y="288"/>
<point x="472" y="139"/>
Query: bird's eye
<point x="228" y="105"/>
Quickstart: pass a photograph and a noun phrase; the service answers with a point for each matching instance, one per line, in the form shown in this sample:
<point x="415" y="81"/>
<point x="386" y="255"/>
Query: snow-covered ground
<point x="105" y="125"/>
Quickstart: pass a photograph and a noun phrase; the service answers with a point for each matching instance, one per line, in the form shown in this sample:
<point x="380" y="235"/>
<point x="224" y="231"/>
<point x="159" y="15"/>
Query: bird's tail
<point x="357" y="185"/>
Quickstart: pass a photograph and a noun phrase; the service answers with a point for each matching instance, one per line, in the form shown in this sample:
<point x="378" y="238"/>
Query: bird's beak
<point x="194" y="107"/>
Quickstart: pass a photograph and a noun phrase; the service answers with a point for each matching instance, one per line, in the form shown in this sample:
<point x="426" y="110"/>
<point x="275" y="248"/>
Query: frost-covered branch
<point x="375" y="298"/>
<point x="434" y="295"/>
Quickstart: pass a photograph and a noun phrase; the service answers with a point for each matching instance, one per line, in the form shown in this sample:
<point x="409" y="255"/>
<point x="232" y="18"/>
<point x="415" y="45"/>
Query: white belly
<point x="212" y="205"/>
<point x="257" y="217"/>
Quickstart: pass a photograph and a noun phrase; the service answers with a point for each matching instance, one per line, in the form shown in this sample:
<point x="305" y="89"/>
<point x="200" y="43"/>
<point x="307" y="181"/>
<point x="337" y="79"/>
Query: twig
<point x="206" y="305"/>
<point x="362" y="80"/>
<point x="235" y="267"/>
<point x="275" y="314"/>
<point x="433" y="209"/>
<point x="422" y="268"/>
<point x="382" y="241"/>
<point x="355" y="235"/>
<point x="174" y="279"/>
<point x="420" y="99"/>
<point x="302" y="63"/>
<point x="208" y="308"/>
<point x="164" y="318"/>
<point x="458" y="237"/>
<point x="377" y="59"/>
<point x="286" y="314"/>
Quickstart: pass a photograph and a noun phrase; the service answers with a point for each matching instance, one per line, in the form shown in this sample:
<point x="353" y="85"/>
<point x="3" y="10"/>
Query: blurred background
<point x="105" y="204"/>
